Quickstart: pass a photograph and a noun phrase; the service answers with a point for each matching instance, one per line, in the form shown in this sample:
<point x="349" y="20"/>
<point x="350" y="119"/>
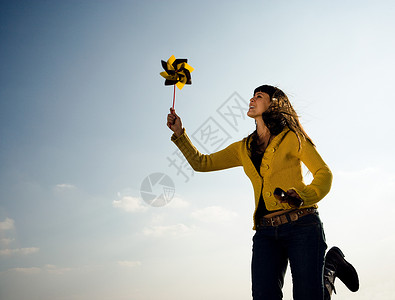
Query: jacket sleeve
<point x="322" y="175"/>
<point x="223" y="159"/>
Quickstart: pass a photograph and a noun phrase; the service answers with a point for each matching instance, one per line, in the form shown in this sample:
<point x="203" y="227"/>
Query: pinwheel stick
<point x="174" y="95"/>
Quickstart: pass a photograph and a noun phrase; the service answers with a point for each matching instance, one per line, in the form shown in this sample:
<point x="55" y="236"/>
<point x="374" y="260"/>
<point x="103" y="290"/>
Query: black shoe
<point x="334" y="261"/>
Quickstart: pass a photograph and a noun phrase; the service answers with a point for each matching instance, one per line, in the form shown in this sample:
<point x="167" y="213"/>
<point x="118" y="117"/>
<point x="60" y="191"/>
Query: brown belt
<point x="286" y="217"/>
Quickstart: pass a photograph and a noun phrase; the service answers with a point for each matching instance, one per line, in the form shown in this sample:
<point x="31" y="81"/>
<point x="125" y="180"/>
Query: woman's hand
<point x="292" y="193"/>
<point x="294" y="199"/>
<point x="290" y="197"/>
<point x="174" y="122"/>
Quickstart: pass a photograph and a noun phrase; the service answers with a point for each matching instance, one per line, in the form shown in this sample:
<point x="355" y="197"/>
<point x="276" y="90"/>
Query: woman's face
<point x="258" y="105"/>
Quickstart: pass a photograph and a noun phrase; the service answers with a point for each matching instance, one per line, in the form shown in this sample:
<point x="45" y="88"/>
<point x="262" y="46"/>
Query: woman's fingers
<point x="293" y="193"/>
<point x="174" y="122"/>
<point x="171" y="119"/>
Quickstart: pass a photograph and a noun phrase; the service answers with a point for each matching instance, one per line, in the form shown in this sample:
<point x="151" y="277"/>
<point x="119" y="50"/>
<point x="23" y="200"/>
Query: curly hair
<point x="279" y="114"/>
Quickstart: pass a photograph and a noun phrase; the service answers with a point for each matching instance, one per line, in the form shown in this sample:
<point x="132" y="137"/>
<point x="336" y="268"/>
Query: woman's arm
<point x="322" y="175"/>
<point x="224" y="159"/>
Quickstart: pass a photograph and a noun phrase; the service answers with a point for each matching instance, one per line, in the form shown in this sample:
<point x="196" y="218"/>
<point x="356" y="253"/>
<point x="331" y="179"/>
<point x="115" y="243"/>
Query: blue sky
<point x="82" y="124"/>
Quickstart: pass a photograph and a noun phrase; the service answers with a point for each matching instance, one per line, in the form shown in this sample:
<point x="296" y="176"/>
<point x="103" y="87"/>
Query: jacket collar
<point x="269" y="151"/>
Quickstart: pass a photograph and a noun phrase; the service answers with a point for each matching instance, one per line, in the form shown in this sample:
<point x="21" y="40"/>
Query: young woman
<point x="287" y="224"/>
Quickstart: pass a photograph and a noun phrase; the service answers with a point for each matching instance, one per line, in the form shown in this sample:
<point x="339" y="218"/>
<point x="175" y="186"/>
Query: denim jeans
<point x="302" y="243"/>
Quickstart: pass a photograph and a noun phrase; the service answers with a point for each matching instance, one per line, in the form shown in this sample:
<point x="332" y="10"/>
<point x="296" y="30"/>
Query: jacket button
<point x="273" y="150"/>
<point x="274" y="204"/>
<point x="268" y="194"/>
<point x="265" y="167"/>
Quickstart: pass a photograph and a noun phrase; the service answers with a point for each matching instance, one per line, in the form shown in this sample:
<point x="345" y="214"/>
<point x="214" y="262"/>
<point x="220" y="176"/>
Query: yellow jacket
<point x="281" y="167"/>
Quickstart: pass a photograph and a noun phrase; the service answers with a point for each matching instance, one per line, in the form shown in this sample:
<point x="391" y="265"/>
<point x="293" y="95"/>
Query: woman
<point x="287" y="224"/>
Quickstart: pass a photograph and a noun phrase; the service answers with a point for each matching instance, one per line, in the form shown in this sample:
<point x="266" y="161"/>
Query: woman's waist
<point x="285" y="216"/>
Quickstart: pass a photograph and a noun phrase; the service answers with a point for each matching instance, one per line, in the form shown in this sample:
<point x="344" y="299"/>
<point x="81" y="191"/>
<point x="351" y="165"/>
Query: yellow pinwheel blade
<point x="164" y="74"/>
<point x="170" y="62"/>
<point x="169" y="77"/>
<point x="171" y="59"/>
<point x="188" y="67"/>
<point x="180" y="85"/>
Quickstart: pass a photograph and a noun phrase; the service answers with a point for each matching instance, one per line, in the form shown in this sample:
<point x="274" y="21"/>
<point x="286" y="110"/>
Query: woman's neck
<point x="263" y="132"/>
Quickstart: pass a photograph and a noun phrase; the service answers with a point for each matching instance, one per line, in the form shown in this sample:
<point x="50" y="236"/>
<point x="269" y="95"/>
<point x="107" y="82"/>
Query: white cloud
<point x="177" y="230"/>
<point x="64" y="187"/>
<point x="214" y="214"/>
<point x="129" y="264"/>
<point x="129" y="204"/>
<point x="50" y="269"/>
<point x="7" y="224"/>
<point x="19" y="251"/>
<point x="177" y="202"/>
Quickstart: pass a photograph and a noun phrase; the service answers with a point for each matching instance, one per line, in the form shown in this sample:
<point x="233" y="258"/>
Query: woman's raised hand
<point x="174" y="122"/>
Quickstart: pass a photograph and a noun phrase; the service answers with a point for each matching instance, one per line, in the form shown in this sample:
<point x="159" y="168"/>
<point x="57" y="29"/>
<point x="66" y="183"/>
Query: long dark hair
<point x="279" y="114"/>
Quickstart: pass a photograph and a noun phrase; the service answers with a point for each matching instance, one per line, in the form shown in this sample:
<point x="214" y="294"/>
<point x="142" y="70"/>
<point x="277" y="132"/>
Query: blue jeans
<point x="302" y="243"/>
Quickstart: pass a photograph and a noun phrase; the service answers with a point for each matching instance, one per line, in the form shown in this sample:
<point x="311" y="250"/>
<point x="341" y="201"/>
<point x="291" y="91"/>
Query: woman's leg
<point x="306" y="250"/>
<point x="268" y="266"/>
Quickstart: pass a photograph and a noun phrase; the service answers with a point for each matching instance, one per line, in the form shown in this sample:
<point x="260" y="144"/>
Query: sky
<point x="83" y="138"/>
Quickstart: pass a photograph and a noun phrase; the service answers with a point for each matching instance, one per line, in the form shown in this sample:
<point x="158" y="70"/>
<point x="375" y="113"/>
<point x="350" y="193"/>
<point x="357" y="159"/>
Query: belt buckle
<point x="275" y="221"/>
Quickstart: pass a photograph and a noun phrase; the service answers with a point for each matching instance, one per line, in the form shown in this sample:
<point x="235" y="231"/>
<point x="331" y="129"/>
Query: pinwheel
<point x="177" y="72"/>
